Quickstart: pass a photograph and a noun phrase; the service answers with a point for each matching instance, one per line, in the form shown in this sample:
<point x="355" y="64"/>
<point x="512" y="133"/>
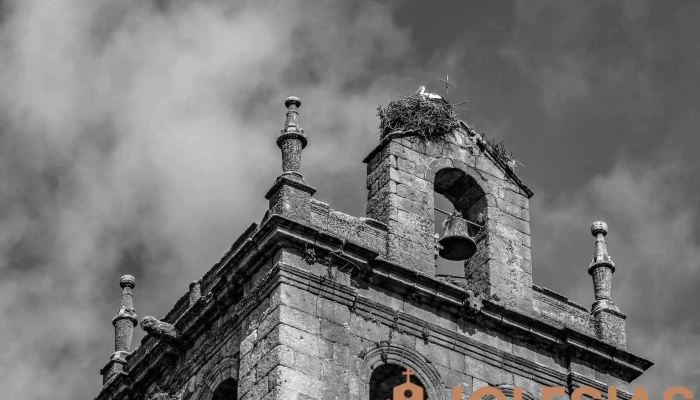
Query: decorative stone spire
<point x="602" y="266"/>
<point x="292" y="140"/>
<point x="124" y="323"/>
<point x="608" y="321"/>
<point x="290" y="195"/>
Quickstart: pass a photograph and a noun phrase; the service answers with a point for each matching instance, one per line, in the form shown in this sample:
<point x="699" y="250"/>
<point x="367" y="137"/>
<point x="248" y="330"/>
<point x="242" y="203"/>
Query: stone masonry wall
<point x="316" y="342"/>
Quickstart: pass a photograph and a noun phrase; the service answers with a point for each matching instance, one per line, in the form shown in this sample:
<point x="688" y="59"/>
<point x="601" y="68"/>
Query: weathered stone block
<point x="506" y="219"/>
<point x="408" y="154"/>
<point x="513" y="210"/>
<point x="332" y="311"/>
<point x="454" y="378"/>
<point x="249" y="342"/>
<point x="410" y="206"/>
<point x="407" y="192"/>
<point x="435" y="353"/>
<point x="410" y="180"/>
<point x="485" y="164"/>
<point x="279" y="355"/>
<point x="299" y="299"/>
<point x="486" y="372"/>
<point x="291" y="384"/>
<point x="516" y="198"/>
<point x="300" y="341"/>
<point x="541" y="356"/>
<point x="368" y="328"/>
<point x="335" y="333"/>
<point x="247" y="382"/>
<point x="411" y="167"/>
<point x="309" y="365"/>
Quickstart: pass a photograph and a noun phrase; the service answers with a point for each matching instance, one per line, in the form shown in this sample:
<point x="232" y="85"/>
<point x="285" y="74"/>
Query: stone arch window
<point x="457" y="190"/>
<point x="220" y="382"/>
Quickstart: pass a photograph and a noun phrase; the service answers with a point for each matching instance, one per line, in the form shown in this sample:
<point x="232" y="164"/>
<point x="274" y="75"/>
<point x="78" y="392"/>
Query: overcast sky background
<point x="141" y="140"/>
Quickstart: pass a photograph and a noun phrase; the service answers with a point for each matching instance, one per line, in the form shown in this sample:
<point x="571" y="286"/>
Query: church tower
<point x="314" y="304"/>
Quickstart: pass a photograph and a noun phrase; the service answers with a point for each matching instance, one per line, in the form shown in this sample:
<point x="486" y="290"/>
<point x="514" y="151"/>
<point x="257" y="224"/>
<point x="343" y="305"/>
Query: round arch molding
<point x="224" y="370"/>
<point x="460" y="179"/>
<point x="403" y="356"/>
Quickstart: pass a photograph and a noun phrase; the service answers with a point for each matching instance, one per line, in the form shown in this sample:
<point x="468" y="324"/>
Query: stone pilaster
<point x="290" y="195"/>
<point x="609" y="322"/>
<point x="124" y="323"/>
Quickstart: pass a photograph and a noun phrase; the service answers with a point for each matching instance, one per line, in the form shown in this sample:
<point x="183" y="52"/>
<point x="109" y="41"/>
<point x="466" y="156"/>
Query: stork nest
<point x="417" y="115"/>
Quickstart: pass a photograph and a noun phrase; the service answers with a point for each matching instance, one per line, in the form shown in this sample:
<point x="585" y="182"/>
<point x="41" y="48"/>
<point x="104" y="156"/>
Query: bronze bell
<point x="456" y="244"/>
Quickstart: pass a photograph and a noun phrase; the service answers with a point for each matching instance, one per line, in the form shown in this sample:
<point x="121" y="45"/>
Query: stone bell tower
<point x="314" y="304"/>
<point x="403" y="173"/>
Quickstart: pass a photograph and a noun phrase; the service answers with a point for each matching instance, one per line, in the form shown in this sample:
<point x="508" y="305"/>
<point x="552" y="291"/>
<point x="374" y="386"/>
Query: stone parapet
<point x="561" y="311"/>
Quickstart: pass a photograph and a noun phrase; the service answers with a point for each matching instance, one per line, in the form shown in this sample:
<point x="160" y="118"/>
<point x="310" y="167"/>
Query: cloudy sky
<point x="137" y="138"/>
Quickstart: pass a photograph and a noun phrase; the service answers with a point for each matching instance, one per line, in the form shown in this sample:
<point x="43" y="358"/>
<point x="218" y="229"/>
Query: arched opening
<point x="227" y="390"/>
<point x="457" y="191"/>
<point x="389" y="376"/>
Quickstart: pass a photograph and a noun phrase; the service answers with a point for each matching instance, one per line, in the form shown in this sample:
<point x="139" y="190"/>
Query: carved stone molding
<point x="226" y="368"/>
<point x="472" y="304"/>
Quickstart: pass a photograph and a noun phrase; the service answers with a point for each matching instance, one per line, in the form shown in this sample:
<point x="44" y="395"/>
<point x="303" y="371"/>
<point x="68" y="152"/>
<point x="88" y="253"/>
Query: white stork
<point x="430" y="96"/>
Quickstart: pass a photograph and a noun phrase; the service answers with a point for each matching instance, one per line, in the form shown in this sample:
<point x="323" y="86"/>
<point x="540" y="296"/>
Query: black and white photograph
<point x="349" y="200"/>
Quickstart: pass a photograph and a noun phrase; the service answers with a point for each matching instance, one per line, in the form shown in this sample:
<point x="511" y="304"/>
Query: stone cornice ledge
<point x="569" y="340"/>
<point x="515" y="323"/>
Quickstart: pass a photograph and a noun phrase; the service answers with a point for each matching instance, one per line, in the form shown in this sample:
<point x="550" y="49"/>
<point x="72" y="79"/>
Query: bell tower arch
<point x="404" y="172"/>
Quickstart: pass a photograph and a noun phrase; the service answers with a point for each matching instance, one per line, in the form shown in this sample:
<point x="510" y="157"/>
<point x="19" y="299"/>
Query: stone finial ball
<point x="599" y="227"/>
<point x="292" y="100"/>
<point x="127" y="280"/>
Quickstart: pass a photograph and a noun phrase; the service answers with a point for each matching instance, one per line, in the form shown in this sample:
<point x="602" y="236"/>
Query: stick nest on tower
<point x="417" y="115"/>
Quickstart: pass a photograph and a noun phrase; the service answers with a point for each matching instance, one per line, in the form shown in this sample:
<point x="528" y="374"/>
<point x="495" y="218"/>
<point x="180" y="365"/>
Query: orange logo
<point x="408" y="390"/>
<point x="411" y="391"/>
